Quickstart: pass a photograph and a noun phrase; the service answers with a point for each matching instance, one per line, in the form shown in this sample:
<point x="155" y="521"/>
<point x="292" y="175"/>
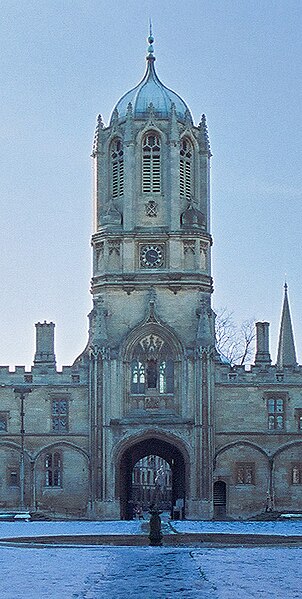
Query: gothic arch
<point x="163" y="331"/>
<point x="150" y="433"/>
<point x="73" y="483"/>
<point x="116" y="170"/>
<point x="150" y="126"/>
<point x="152" y="369"/>
<point x="285" y="460"/>
<point x="238" y="444"/>
<point x="186" y="168"/>
<point x="285" y="447"/>
<point x="57" y="444"/>
<point x="151" y="442"/>
<point x="16" y="447"/>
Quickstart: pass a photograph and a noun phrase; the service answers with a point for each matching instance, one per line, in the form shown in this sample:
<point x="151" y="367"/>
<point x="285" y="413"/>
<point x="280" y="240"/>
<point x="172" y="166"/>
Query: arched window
<point x="137" y="376"/>
<point x="53" y="469"/>
<point x="151" y="163"/>
<point x="152" y="367"/>
<point x="185" y="166"/>
<point x="117" y="168"/>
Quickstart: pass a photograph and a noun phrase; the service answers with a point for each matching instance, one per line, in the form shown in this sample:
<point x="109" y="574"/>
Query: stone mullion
<point x="32" y="484"/>
<point x="91" y="434"/>
<point x="207" y="441"/>
<point x="198" y="424"/>
<point x="104" y="402"/>
<point x="94" y="427"/>
<point x="129" y="182"/>
<point x="173" y="178"/>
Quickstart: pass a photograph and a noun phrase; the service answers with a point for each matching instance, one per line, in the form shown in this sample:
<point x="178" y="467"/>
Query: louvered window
<point x="117" y="164"/>
<point x="151" y="163"/>
<point x="185" y="174"/>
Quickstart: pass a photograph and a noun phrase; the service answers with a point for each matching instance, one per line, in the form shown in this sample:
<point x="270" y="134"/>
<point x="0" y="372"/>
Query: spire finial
<point x="286" y="347"/>
<point x="150" y="40"/>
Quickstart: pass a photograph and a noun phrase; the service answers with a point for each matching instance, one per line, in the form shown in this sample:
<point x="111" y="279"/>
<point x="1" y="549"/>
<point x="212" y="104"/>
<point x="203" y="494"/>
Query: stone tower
<point x="151" y="341"/>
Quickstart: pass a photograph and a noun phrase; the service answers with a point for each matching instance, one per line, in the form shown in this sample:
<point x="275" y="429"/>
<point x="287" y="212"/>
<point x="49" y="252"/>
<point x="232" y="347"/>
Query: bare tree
<point x="236" y="344"/>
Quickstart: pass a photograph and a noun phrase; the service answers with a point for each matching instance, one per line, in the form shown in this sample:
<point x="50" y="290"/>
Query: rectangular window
<point x="296" y="474"/>
<point x="3" y="422"/>
<point x="298" y="417"/>
<point x="275" y="409"/>
<point x="13" y="476"/>
<point x="53" y="469"/>
<point x="59" y="415"/>
<point x="245" y="473"/>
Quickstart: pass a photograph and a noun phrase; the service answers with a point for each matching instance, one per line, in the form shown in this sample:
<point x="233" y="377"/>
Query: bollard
<point x="155" y="535"/>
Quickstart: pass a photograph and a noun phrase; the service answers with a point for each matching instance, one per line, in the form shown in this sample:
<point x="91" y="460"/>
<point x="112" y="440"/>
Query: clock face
<point x="151" y="256"/>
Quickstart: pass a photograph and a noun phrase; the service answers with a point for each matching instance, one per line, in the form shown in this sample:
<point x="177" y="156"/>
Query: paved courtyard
<point x="97" y="572"/>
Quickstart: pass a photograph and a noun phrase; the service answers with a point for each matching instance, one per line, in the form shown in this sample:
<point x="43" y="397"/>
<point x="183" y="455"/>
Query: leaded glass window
<point x="59" y="415"/>
<point x="275" y="408"/>
<point x="137" y="377"/>
<point x="53" y="469"/>
<point x="245" y="474"/>
<point x="3" y="422"/>
<point x="296" y="477"/>
<point x="152" y="367"/>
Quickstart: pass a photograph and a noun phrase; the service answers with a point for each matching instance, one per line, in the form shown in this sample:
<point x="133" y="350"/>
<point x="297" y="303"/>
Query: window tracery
<point x="152" y="367"/>
<point x="117" y="168"/>
<point x="151" y="176"/>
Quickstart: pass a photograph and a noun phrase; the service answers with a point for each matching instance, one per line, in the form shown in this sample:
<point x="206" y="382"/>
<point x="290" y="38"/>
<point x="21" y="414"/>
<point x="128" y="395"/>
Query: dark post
<point x="22" y="391"/>
<point x="155" y="535"/>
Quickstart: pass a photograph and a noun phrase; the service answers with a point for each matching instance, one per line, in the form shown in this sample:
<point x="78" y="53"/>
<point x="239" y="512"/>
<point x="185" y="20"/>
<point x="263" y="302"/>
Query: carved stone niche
<point x="114" y="254"/>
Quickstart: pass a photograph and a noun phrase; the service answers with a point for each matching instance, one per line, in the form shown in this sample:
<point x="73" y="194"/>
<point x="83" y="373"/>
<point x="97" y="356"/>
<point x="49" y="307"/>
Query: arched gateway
<point x="140" y="449"/>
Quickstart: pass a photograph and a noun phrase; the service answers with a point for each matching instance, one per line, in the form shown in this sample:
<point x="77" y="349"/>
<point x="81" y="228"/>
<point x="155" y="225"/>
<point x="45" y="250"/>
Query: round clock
<point x="152" y="256"/>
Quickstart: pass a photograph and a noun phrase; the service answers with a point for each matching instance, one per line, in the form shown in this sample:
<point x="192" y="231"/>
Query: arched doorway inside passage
<point x="141" y="448"/>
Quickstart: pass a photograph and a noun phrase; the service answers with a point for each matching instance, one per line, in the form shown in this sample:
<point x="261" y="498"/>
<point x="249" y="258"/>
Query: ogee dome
<point x="151" y="90"/>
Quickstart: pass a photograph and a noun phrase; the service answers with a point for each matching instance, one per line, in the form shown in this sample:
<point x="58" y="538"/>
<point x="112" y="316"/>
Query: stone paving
<point x="104" y="572"/>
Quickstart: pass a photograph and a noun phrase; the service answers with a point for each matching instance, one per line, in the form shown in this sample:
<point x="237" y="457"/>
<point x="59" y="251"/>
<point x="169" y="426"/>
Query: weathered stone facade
<point x="150" y="381"/>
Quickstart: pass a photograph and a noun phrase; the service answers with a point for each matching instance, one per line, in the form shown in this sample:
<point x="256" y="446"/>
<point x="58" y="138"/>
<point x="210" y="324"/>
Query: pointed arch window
<point x="151" y="175"/>
<point x="117" y="168"/>
<point x="152" y="367"/>
<point x="185" y="168"/>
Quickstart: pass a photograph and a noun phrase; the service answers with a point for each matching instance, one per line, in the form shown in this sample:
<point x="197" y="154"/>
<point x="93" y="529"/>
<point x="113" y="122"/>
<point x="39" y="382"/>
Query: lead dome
<point x="151" y="91"/>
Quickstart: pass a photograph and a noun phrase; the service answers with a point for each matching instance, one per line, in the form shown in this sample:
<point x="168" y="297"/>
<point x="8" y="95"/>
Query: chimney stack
<point x="262" y="348"/>
<point x="45" y="344"/>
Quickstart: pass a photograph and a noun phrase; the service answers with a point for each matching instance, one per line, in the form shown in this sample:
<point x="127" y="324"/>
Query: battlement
<point x="69" y="375"/>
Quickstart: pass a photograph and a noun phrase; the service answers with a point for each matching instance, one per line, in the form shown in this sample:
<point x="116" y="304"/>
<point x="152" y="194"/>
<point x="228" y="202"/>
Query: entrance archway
<point x="151" y="446"/>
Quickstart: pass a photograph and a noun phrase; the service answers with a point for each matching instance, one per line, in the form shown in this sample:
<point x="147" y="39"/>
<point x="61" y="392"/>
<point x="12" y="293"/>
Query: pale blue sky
<point x="62" y="62"/>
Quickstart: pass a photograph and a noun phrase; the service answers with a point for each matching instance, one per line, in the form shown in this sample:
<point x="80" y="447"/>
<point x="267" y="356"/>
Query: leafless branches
<point x="235" y="343"/>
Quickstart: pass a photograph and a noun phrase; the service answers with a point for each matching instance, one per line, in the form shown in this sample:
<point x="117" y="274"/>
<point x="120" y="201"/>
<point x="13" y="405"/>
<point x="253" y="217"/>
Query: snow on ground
<point x="99" y="573"/>
<point x="252" y="573"/>
<point x="31" y="529"/>
<point x="281" y="527"/>
<point x="80" y="527"/>
<point x="103" y="572"/>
